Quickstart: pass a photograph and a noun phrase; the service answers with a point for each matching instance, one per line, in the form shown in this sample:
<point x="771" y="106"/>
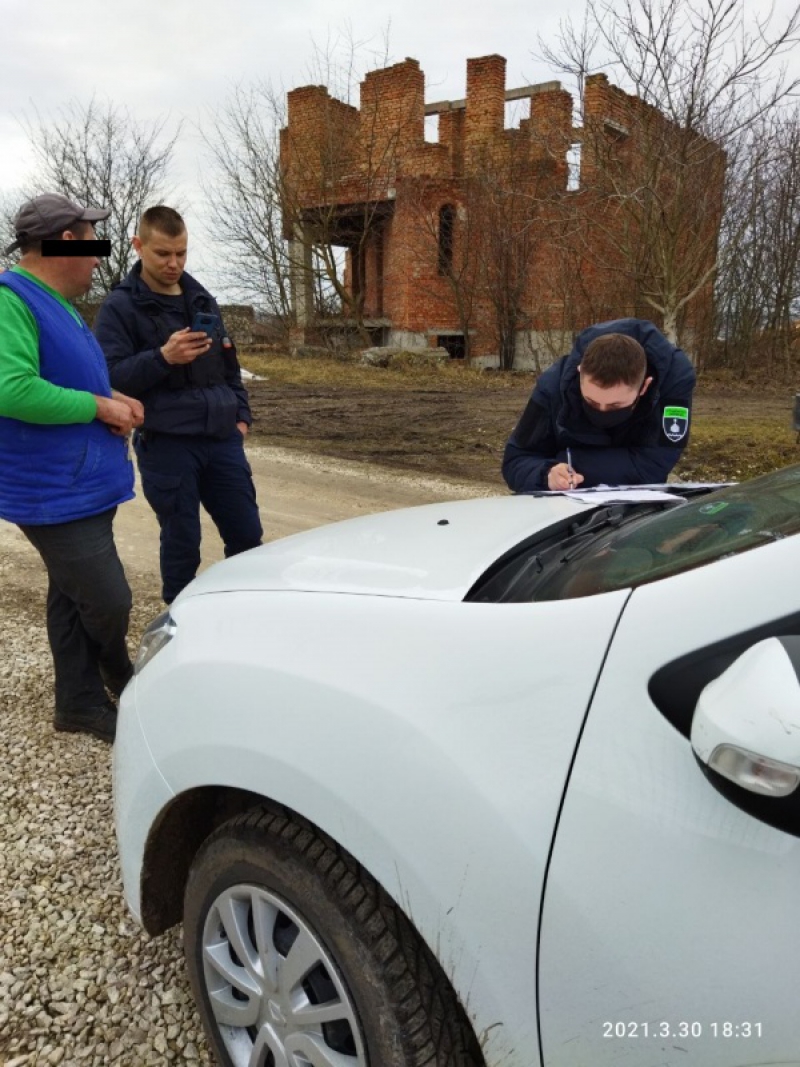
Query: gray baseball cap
<point x="50" y="214"/>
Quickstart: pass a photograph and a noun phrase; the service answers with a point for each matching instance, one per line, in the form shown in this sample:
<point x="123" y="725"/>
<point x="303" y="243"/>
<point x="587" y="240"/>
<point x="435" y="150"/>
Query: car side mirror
<point x="746" y="725"/>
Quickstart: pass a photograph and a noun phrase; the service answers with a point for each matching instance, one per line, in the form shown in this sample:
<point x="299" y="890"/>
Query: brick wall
<point x="340" y="162"/>
<point x="485" y="111"/>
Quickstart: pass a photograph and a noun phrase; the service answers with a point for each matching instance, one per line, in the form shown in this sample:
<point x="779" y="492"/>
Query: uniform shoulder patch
<point x="675" y="422"/>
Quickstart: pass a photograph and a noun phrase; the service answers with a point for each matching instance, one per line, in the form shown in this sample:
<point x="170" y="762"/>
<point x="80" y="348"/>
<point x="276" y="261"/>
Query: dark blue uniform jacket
<point x="643" y="450"/>
<point x="204" y="397"/>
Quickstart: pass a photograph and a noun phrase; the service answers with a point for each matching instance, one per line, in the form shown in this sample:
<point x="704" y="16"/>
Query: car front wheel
<point x="298" y="959"/>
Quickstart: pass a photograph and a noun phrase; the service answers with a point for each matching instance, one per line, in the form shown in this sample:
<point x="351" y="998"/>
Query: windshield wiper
<point x="601" y="522"/>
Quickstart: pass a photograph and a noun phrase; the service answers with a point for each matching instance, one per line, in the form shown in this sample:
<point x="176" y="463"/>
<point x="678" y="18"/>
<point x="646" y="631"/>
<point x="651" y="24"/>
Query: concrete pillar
<point x="302" y="277"/>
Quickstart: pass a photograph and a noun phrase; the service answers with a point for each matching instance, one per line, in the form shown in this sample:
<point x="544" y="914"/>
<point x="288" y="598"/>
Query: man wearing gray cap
<point x="64" y="464"/>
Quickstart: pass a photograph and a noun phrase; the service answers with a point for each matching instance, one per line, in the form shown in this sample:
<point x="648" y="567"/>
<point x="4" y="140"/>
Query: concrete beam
<point x="522" y="93"/>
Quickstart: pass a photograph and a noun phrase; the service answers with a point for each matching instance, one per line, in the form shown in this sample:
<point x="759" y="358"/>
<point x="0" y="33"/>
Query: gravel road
<point x="79" y="982"/>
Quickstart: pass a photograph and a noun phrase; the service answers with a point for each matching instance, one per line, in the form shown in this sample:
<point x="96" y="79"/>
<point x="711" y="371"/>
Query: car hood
<point x="434" y="552"/>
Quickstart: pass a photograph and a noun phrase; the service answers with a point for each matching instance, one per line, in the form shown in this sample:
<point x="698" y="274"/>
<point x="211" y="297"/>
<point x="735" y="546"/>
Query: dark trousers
<point x="88" y="607"/>
<point x="179" y="474"/>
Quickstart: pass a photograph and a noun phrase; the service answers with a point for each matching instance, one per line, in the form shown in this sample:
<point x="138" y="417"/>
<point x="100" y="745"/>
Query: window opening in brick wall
<point x="515" y="111"/>
<point x="453" y="344"/>
<point x="447" y="218"/>
<point x="574" y="167"/>
<point x="432" y="129"/>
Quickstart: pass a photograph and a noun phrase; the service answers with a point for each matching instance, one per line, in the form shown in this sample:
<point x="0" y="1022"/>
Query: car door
<point x="669" y="929"/>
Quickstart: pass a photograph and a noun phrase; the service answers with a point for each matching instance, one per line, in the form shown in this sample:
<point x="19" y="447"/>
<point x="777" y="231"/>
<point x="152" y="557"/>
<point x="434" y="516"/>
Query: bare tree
<point x="758" y="285"/>
<point x="572" y="277"/>
<point x="10" y="203"/>
<point x="275" y="195"/>
<point x="98" y="154"/>
<point x="784" y="215"/>
<point x="706" y="72"/>
<point x="506" y="201"/>
<point x="244" y="194"/>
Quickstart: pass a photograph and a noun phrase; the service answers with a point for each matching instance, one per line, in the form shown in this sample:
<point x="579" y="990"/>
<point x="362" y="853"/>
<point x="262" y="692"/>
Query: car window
<point x="732" y="520"/>
<point x="624" y="545"/>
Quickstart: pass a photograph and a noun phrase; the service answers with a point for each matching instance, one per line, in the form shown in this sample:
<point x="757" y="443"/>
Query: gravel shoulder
<point x="79" y="982"/>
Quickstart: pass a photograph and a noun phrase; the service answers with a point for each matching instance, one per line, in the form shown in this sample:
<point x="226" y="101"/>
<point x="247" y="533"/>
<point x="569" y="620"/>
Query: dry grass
<point x="735" y="448"/>
<point x="349" y="374"/>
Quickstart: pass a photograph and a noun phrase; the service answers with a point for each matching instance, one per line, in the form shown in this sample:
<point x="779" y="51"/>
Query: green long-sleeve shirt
<point x="24" y="394"/>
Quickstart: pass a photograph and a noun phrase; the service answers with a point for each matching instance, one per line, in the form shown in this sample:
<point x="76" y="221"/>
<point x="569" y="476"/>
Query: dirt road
<point x="296" y="491"/>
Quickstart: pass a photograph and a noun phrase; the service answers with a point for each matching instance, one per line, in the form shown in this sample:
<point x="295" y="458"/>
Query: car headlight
<point x="158" y="634"/>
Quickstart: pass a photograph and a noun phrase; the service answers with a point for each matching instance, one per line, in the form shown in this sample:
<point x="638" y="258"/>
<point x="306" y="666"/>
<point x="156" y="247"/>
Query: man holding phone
<point x="163" y="337"/>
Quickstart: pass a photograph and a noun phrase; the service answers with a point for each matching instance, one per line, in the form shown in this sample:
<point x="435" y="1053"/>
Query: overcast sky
<point x="175" y="59"/>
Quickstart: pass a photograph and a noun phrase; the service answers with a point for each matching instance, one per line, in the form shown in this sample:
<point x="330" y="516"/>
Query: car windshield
<point x="732" y="520"/>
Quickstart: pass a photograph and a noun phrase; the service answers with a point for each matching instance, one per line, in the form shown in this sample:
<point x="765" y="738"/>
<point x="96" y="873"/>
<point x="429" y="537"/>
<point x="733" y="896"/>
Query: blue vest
<point x="51" y="474"/>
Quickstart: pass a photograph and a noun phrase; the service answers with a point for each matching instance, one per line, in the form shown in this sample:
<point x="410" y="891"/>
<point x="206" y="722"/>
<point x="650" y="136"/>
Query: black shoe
<point x="100" y="720"/>
<point x="115" y="683"/>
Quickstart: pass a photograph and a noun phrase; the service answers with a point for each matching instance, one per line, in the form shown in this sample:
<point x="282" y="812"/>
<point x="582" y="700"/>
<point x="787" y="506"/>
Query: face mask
<point x="607" y="420"/>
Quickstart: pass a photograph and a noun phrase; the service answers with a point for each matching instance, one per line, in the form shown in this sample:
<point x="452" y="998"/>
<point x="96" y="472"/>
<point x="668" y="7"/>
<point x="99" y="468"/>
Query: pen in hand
<point x="570" y="470"/>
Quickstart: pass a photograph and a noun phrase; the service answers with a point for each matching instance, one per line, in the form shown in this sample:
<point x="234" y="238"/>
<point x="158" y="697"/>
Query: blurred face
<point x="163" y="260"/>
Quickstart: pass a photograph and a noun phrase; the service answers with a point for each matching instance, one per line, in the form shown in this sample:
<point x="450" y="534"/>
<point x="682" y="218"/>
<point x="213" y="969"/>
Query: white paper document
<point x="633" y="494"/>
<point x="613" y="494"/>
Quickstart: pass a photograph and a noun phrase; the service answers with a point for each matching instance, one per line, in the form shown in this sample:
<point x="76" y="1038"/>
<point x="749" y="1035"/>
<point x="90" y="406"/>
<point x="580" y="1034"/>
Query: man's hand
<point x="116" y="415"/>
<point x="184" y="346"/>
<point x="242" y="427"/>
<point x="136" y="406"/>
<point x="560" y="477"/>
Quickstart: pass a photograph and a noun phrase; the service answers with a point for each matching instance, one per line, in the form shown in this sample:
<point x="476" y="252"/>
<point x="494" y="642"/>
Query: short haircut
<point x="614" y="359"/>
<point x="162" y="218"/>
<point x="79" y="227"/>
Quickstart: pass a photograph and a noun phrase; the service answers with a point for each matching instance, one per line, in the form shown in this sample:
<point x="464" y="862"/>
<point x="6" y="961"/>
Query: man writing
<point x="615" y="411"/>
<point x="64" y="466"/>
<point x="191" y="448"/>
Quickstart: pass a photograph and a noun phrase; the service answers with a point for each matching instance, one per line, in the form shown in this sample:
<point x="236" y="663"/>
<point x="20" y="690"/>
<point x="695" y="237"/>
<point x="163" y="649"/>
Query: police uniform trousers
<point x="179" y="474"/>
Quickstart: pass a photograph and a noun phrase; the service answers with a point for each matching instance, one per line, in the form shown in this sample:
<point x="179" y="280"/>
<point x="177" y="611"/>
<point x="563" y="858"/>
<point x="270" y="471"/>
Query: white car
<point x="507" y="782"/>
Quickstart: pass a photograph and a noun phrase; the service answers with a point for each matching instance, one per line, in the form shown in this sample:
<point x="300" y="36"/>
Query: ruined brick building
<point x="495" y="241"/>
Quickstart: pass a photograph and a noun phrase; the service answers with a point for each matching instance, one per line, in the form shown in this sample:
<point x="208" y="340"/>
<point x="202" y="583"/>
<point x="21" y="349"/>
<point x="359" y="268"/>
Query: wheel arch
<point x="180" y="831"/>
<point x="173" y="842"/>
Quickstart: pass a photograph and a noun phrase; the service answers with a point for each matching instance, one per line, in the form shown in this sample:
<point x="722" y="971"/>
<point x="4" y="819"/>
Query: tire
<point x="387" y="1002"/>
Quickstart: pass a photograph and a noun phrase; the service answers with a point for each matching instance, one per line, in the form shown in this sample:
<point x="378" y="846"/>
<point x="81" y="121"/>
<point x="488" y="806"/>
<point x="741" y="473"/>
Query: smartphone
<point x="205" y="322"/>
